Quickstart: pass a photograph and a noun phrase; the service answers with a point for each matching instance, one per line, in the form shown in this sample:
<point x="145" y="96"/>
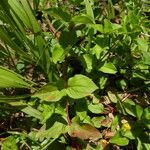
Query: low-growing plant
<point x="74" y="74"/>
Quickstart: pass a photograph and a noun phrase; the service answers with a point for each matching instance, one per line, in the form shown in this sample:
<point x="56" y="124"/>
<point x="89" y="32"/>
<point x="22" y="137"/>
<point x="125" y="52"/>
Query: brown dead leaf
<point x="108" y="134"/>
<point x="84" y="132"/>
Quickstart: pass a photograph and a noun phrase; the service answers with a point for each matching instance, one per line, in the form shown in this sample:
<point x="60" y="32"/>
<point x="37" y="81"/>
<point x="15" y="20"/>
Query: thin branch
<point x="51" y="28"/>
<point x="65" y="77"/>
<point x="67" y="111"/>
<point x="128" y="95"/>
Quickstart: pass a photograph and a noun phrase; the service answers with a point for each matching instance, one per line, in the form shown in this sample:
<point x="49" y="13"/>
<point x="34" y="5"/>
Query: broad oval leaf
<point x="50" y="92"/>
<point x="108" y="68"/>
<point x="80" y="86"/>
<point x="97" y="121"/>
<point x="121" y="141"/>
<point x="58" y="53"/>
<point x="84" y="132"/>
<point x="96" y="108"/>
<point x="133" y="109"/>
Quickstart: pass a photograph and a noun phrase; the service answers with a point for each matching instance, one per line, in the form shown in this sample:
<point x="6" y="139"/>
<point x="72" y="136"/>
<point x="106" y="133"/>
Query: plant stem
<point x="51" y="28"/>
<point x="67" y="111"/>
<point x="65" y="77"/>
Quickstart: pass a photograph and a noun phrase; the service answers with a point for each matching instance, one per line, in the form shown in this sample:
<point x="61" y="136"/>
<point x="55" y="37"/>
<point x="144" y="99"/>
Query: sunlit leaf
<point x="58" y="54"/>
<point x="82" y="19"/>
<point x="9" y="143"/>
<point x="119" y="140"/>
<point x="89" y="10"/>
<point x="50" y="92"/>
<point x="97" y="121"/>
<point x="80" y="86"/>
<point x="96" y="108"/>
<point x="54" y="132"/>
<point x="10" y="79"/>
<point x="32" y="112"/>
<point x="108" y="68"/>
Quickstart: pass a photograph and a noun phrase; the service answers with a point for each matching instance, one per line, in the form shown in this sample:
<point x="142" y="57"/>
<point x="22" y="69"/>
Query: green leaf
<point x="108" y="68"/>
<point x="142" y="44"/>
<point x="112" y="96"/>
<point x="110" y="27"/>
<point x="146" y="58"/>
<point x="133" y="109"/>
<point x="58" y="53"/>
<point x="10" y="79"/>
<point x="50" y="92"/>
<point x="97" y="121"/>
<point x="5" y="37"/>
<point x="32" y="112"/>
<point x="97" y="50"/>
<point x="96" y="108"/>
<point x="142" y="146"/>
<point x="54" y="132"/>
<point x="146" y="117"/>
<point x="129" y="106"/>
<point x="102" y="82"/>
<point x="89" y="10"/>
<point x="139" y="111"/>
<point x="82" y="19"/>
<point x="18" y="10"/>
<point x="48" y="110"/>
<point x="121" y="84"/>
<point x="9" y="144"/>
<point x="14" y="100"/>
<point x="80" y="86"/>
<point x="115" y="123"/>
<point x="129" y="135"/>
<point x="24" y="12"/>
<point x="111" y="10"/>
<point x="102" y="44"/>
<point x="82" y="115"/>
<point x="146" y="113"/>
<point x="58" y="12"/>
<point x="98" y="27"/>
<point x="119" y="140"/>
<point x="107" y="26"/>
<point x="87" y="120"/>
<point x="88" y="61"/>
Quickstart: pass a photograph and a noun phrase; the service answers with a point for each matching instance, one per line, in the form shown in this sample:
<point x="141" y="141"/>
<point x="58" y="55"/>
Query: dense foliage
<point x="74" y="74"/>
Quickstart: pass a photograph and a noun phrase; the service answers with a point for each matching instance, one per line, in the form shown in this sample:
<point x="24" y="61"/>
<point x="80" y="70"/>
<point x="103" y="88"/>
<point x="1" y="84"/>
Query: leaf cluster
<point x="74" y="74"/>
